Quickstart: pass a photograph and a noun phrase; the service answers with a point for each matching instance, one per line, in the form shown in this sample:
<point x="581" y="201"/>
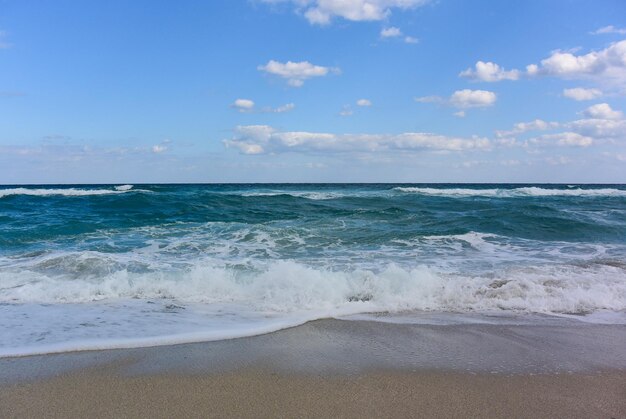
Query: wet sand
<point x="335" y="368"/>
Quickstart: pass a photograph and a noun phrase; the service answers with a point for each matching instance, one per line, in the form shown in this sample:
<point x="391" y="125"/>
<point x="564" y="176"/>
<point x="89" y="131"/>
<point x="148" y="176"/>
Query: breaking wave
<point x="288" y="286"/>
<point x="298" y="194"/>
<point x="65" y="191"/>
<point x="124" y="187"/>
<point x="511" y="193"/>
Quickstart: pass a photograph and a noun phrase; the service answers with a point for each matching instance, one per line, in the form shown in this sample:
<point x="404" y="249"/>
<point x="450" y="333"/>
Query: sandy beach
<point x="313" y="209"/>
<point x="251" y="393"/>
<point x="336" y="368"/>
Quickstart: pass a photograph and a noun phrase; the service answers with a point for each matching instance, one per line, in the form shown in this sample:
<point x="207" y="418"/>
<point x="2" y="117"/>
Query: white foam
<point x="100" y="302"/>
<point x="474" y="239"/>
<point x="510" y="193"/>
<point x="287" y="286"/>
<point x="126" y="324"/>
<point x="535" y="191"/>
<point x="64" y="191"/>
<point x="449" y="191"/>
<point x="298" y="194"/>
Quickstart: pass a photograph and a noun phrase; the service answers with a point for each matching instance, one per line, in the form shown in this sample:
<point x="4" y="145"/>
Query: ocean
<point x="112" y="266"/>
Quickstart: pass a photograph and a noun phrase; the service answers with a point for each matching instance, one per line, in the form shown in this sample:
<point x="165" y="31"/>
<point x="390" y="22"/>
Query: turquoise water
<point x="91" y="266"/>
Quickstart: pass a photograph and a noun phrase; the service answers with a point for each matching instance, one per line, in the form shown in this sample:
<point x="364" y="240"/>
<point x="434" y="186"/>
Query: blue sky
<point x="312" y="91"/>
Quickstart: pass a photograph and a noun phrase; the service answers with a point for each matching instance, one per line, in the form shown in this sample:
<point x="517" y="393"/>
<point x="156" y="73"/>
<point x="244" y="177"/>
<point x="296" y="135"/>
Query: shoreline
<point x="332" y="367"/>
<point x="417" y="319"/>
<point x="365" y="345"/>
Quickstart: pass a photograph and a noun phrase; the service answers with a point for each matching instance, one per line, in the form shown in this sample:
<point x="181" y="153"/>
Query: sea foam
<point x="64" y="191"/>
<point x="287" y="286"/>
<point x="511" y="193"/>
<point x="42" y="313"/>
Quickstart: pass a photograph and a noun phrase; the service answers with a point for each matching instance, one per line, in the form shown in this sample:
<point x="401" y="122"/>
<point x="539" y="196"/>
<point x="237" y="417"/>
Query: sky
<point x="155" y="91"/>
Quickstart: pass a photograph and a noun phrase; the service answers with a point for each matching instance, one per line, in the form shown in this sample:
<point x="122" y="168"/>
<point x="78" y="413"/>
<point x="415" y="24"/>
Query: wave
<point x="288" y="286"/>
<point x="124" y="187"/>
<point x="512" y="193"/>
<point x="298" y="194"/>
<point x="90" y="300"/>
<point x="67" y="191"/>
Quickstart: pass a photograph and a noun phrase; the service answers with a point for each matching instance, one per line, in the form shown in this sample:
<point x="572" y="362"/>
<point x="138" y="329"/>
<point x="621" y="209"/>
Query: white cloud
<point x="321" y="12"/>
<point x="489" y="72"/>
<point x="609" y="29"/>
<point x="532" y="69"/>
<point x="463" y="99"/>
<point x="391" y="32"/>
<point x="243" y="105"/>
<point x="571" y="139"/>
<point x="467" y="98"/>
<point x="606" y="64"/>
<point x="506" y="142"/>
<point x="601" y="122"/>
<point x="601" y="125"/>
<point x="580" y="93"/>
<point x="459" y="114"/>
<point x="522" y="127"/>
<point x="158" y="148"/>
<point x="245" y="148"/>
<point x="599" y="128"/>
<point x="248" y="106"/>
<point x="296" y="72"/>
<point x="348" y="111"/>
<point x="568" y="64"/>
<point x="259" y="139"/>
<point x="249" y="138"/>
<point x="602" y="111"/>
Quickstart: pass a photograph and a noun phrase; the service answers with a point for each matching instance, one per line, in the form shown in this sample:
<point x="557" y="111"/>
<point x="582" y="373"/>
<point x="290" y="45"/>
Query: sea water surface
<point x="106" y="266"/>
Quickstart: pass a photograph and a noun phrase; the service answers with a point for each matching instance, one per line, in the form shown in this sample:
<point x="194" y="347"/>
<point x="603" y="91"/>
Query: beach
<point x="337" y="368"/>
<point x="313" y="208"/>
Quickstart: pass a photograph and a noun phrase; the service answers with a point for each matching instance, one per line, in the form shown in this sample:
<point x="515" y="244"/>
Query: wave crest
<point x="286" y="286"/>
<point x="512" y="193"/>
<point x="66" y="191"/>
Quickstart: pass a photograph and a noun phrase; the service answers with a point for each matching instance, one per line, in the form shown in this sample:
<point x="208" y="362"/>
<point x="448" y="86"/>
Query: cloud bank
<point x="263" y="139"/>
